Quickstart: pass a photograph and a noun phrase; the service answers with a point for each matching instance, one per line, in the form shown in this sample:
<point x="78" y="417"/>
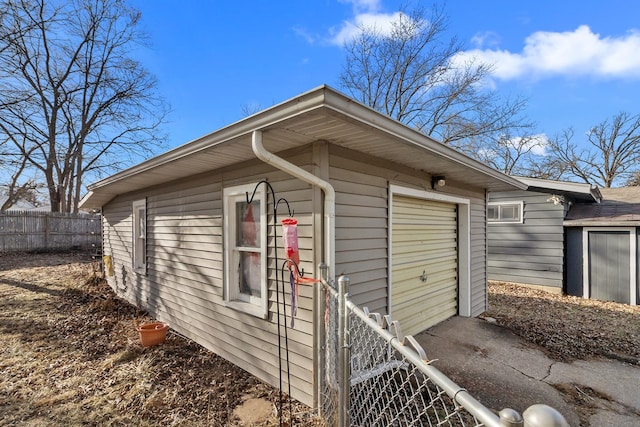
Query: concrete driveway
<point x="502" y="370"/>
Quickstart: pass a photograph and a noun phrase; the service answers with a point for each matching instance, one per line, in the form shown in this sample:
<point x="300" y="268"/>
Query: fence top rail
<point x="16" y="213"/>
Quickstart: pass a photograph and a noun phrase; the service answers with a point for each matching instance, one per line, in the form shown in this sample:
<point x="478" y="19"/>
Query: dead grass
<point x="568" y="327"/>
<point x="70" y="356"/>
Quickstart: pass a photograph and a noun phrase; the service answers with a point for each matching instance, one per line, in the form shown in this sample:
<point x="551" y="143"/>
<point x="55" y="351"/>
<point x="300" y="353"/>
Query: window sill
<point x="248" y="308"/>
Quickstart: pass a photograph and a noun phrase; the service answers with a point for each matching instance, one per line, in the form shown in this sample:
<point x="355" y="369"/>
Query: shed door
<point x="609" y="266"/>
<point x="424" y="262"/>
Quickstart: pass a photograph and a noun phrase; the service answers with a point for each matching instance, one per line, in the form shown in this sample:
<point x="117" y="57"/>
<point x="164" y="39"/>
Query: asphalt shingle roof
<point x="619" y="206"/>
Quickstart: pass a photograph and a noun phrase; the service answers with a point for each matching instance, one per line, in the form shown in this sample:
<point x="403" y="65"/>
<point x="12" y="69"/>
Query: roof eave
<point x="348" y="107"/>
<point x="305" y="102"/>
<point x="600" y="223"/>
<point x="581" y="191"/>
<point x="318" y="98"/>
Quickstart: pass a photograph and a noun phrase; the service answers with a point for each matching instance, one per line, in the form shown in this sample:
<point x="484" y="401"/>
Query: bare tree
<point x="249" y="109"/>
<point x="414" y="75"/>
<point x="17" y="187"/>
<point x="73" y="101"/>
<point x="546" y="167"/>
<point x="610" y="156"/>
<point x="634" y="180"/>
<point x="16" y="191"/>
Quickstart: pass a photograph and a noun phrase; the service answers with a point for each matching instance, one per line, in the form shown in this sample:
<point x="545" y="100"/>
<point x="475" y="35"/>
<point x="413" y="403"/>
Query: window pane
<point x="142" y="219"/>
<point x="492" y="213"/>
<point x="508" y="212"/>
<point x="248" y="218"/>
<point x="250" y="274"/>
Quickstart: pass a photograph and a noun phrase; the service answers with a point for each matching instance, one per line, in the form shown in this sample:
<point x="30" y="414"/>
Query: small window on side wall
<point x="505" y="212"/>
<point x="139" y="233"/>
<point x="245" y="225"/>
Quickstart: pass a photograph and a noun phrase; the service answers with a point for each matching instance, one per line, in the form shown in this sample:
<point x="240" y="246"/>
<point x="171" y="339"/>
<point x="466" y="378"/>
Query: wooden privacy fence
<point x="34" y="231"/>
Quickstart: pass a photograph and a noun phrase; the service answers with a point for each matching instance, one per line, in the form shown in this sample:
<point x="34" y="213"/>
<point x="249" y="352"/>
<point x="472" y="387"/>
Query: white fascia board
<point x="574" y="187"/>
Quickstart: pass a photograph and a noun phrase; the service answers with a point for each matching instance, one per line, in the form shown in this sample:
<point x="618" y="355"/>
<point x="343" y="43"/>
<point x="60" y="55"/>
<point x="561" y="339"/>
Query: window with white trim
<point x="139" y="232"/>
<point x="245" y="225"/>
<point x="508" y="212"/>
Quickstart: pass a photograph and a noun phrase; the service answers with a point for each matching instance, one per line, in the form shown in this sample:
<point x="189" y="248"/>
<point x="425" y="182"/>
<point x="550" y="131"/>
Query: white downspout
<point x="329" y="194"/>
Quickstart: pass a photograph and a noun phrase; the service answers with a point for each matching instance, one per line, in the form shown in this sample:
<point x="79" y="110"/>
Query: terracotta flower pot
<point x="152" y="333"/>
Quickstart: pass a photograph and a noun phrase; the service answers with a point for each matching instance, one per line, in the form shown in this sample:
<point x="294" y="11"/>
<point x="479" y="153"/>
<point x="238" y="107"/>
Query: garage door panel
<point x="416" y="321"/>
<point x="437" y="245"/>
<point x="409" y="295"/>
<point x="440" y="295"/>
<point x="424" y="242"/>
<point x="436" y="231"/>
<point x="403" y="205"/>
<point x="417" y="260"/>
<point x="424" y="223"/>
<point x="431" y="271"/>
<point x="426" y="259"/>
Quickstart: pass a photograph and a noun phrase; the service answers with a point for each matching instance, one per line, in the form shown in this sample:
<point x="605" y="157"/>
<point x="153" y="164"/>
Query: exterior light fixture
<point x="438" y="181"/>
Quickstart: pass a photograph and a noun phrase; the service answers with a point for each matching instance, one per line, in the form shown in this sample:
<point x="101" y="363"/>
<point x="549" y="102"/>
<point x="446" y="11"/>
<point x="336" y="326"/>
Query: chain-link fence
<point x="372" y="375"/>
<point x="328" y="387"/>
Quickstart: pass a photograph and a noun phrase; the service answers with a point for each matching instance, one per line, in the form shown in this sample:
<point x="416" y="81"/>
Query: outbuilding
<point x="526" y="231"/>
<point x="602" y="247"/>
<point x="566" y="237"/>
<point x="401" y="214"/>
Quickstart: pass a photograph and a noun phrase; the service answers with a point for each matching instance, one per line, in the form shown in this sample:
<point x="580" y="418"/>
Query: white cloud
<point x="573" y="53"/>
<point x="381" y="22"/>
<point x="537" y="144"/>
<point x="487" y="38"/>
<point x="303" y="33"/>
<point x="364" y="5"/>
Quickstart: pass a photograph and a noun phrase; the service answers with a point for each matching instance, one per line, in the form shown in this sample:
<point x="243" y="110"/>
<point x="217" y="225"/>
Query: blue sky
<point x="578" y="62"/>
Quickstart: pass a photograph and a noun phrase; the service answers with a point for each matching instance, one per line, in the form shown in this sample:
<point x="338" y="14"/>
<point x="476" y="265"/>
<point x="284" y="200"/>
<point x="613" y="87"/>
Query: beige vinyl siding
<point x="478" y="252"/>
<point x="357" y="174"/>
<point x="531" y="252"/>
<point x="184" y="281"/>
<point x="361" y="231"/>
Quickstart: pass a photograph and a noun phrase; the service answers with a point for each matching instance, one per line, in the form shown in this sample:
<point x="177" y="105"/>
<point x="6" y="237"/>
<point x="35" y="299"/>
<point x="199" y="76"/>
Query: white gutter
<point x="329" y="194"/>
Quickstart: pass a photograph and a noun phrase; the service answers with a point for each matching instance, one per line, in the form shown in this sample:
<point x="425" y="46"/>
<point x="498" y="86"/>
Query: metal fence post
<point x="320" y="336"/>
<point x="343" y="353"/>
<point x="543" y="416"/>
<point x="510" y="418"/>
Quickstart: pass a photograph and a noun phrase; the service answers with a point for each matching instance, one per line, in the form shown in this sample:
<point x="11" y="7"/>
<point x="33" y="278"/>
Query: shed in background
<point x="602" y="247"/>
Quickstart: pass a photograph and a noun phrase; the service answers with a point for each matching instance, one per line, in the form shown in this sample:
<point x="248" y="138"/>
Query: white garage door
<point x="424" y="262"/>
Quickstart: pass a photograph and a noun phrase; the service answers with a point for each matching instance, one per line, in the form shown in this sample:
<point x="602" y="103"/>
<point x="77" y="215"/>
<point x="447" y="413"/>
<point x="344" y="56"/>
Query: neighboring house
<point x="526" y="231"/>
<point x="541" y="238"/>
<point x="23" y="205"/>
<point x="401" y="214"/>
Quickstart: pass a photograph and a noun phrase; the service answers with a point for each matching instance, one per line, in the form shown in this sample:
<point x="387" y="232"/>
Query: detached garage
<point x="402" y="215"/>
